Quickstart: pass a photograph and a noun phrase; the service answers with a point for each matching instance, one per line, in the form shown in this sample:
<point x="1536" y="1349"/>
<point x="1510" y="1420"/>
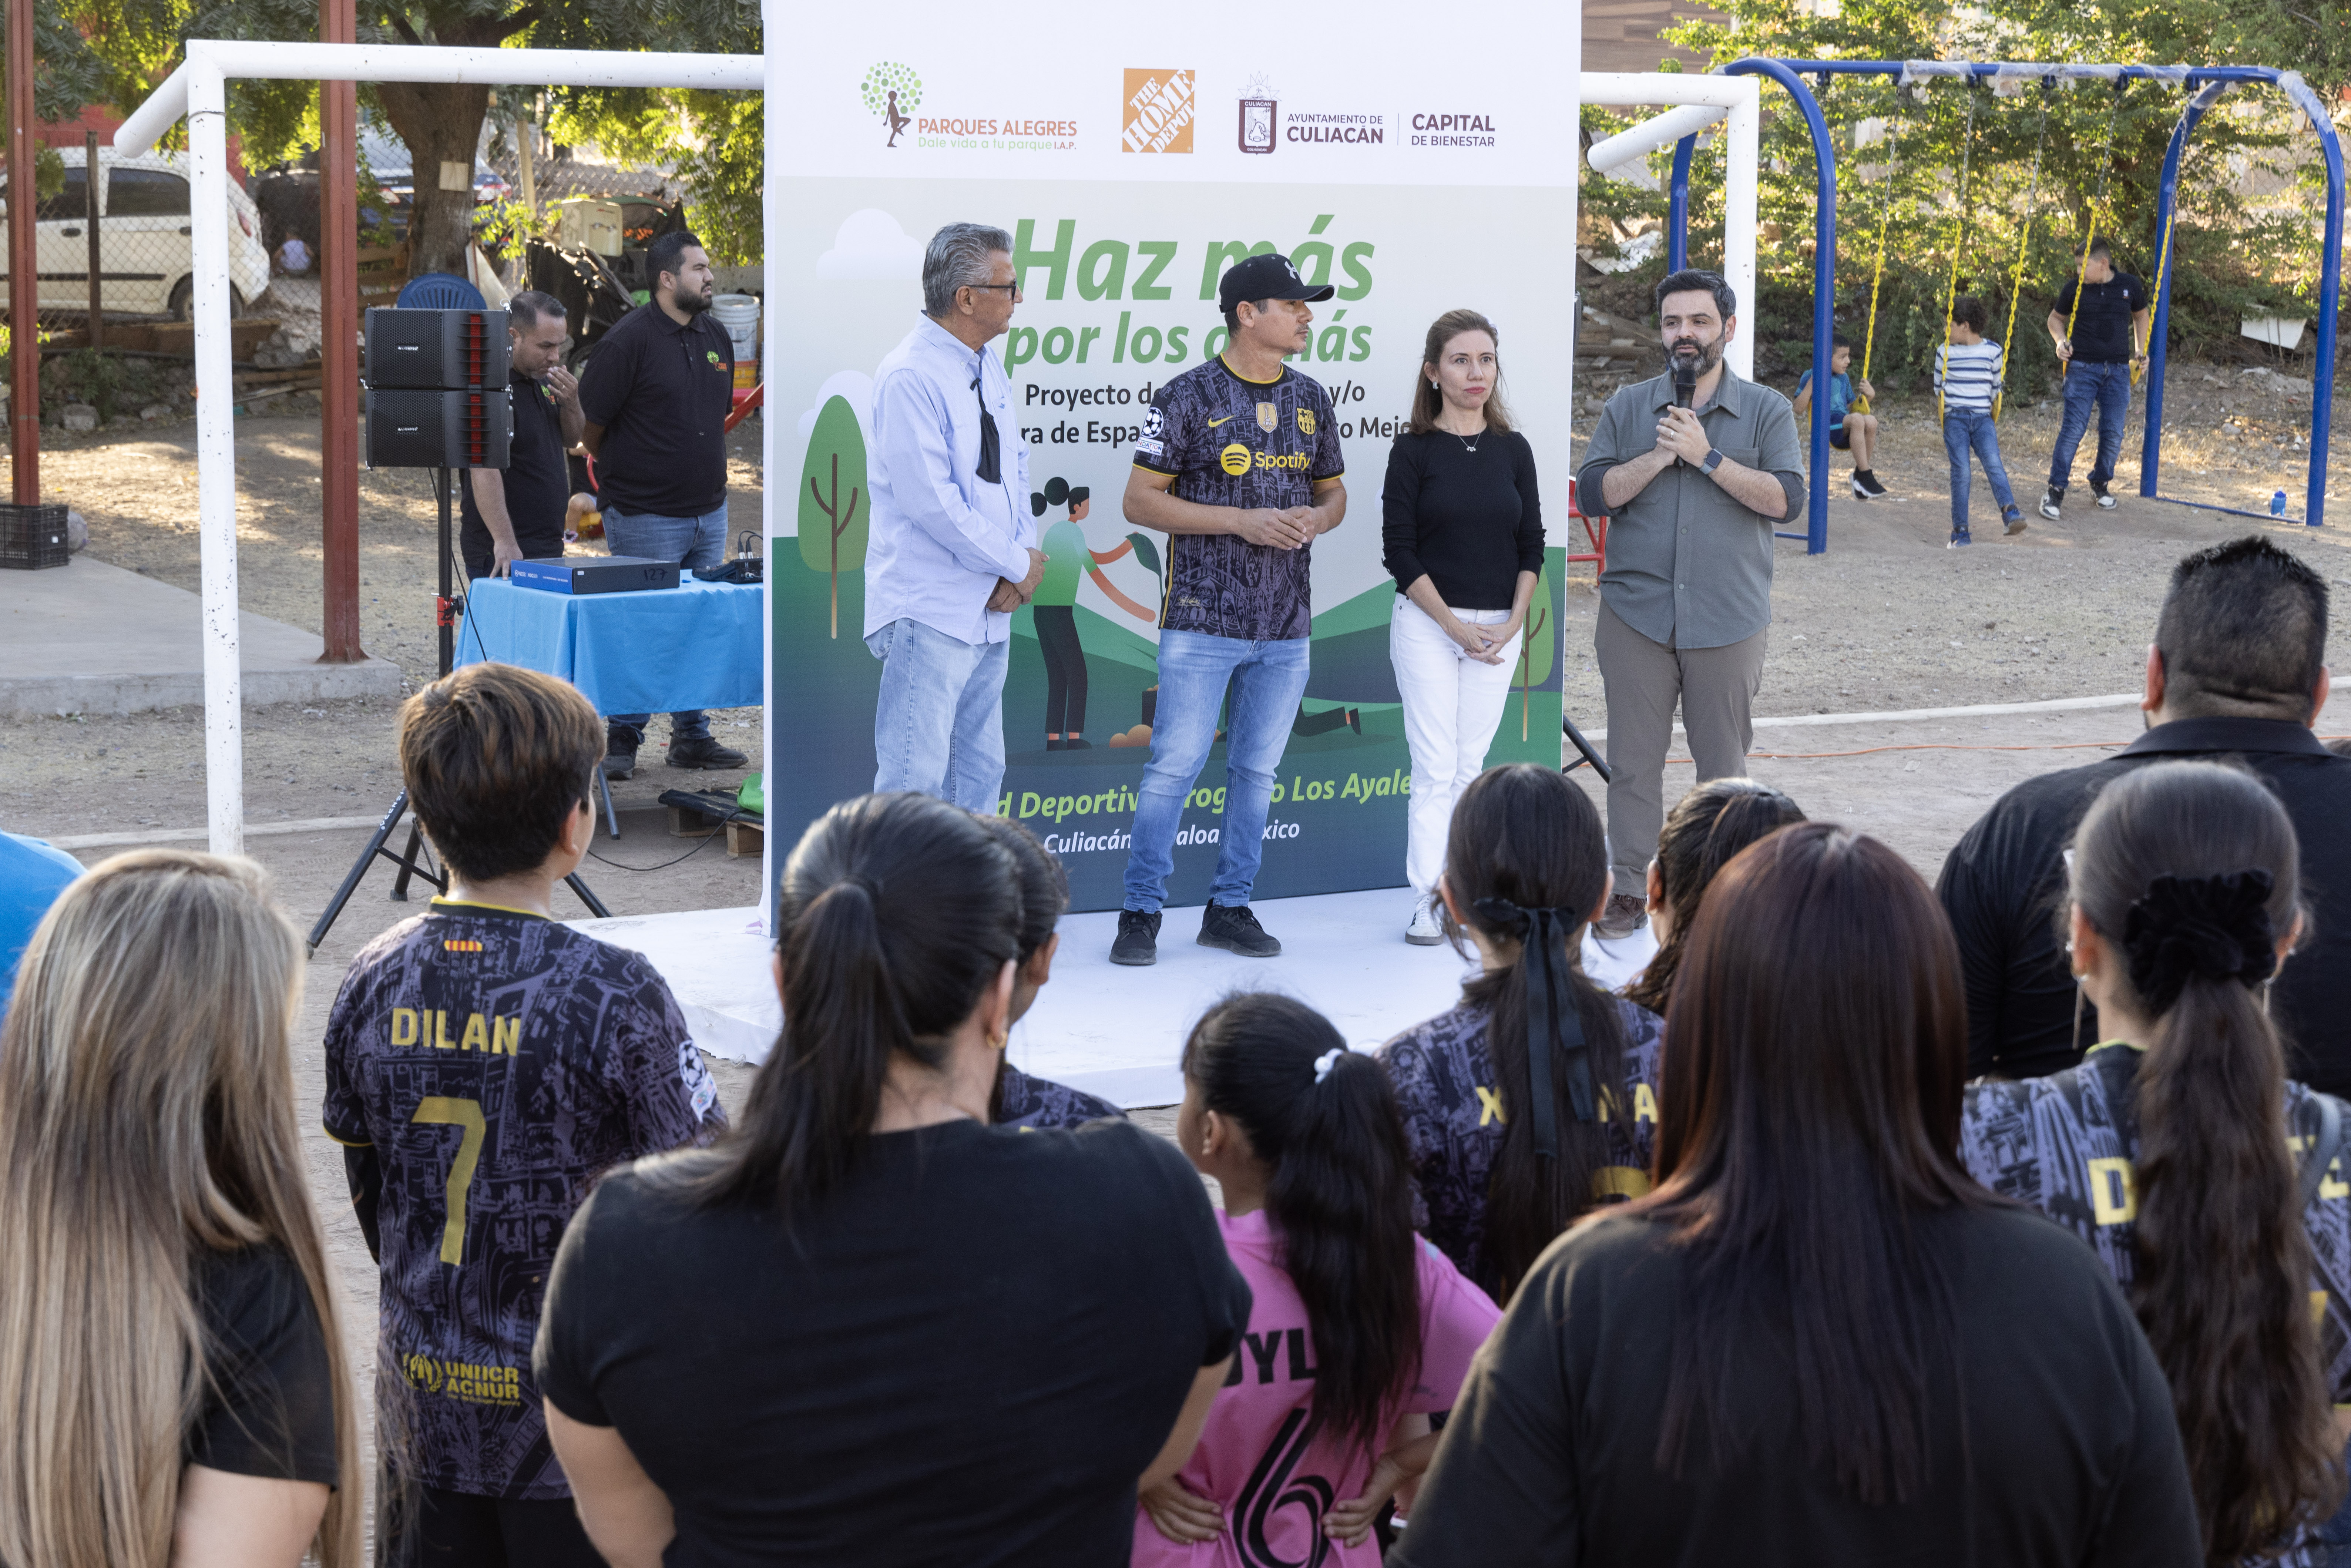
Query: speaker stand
<point x="446" y="610"/>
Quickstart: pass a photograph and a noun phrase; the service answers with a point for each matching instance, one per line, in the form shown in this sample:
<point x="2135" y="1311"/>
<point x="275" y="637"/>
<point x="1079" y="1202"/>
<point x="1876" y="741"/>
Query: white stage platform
<point x="1109" y="1031"/>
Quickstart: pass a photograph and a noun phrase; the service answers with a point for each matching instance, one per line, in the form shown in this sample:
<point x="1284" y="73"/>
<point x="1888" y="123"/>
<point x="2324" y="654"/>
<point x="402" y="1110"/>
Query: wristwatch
<point x="1713" y="461"/>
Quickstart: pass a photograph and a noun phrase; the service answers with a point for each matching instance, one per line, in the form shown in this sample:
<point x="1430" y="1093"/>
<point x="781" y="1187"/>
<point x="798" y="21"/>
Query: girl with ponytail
<point x="868" y="1326"/>
<point x="1356" y="1321"/>
<point x="2180" y="1150"/>
<point x="1705" y="829"/>
<point x="1535" y="1100"/>
<point x="1021" y="1100"/>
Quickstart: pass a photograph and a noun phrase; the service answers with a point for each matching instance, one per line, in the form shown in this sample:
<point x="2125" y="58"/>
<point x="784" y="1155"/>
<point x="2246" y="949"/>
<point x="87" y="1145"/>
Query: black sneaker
<point x="1870" y="479"/>
<point x="1235" y="930"/>
<point x="1138" y="939"/>
<point x="704" y="752"/>
<point x="620" y="750"/>
<point x="2051" y="499"/>
<point x="2106" y="502"/>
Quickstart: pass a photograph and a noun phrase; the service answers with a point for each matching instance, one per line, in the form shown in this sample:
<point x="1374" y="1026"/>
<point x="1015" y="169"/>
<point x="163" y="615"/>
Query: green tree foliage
<point x="66" y="73"/>
<point x="136" y="40"/>
<point x="834" y="499"/>
<point x="1898" y="167"/>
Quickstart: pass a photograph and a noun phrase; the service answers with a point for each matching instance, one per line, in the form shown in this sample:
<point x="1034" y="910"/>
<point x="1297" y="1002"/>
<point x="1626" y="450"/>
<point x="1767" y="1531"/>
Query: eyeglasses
<point x="1018" y="295"/>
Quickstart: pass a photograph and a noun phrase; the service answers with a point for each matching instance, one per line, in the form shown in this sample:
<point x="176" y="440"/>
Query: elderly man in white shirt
<point x="952" y="552"/>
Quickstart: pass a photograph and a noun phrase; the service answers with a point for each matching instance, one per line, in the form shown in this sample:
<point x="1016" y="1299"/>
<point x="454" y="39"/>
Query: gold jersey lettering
<point x="1489" y="1107"/>
<point x="2332" y="1184"/>
<point x="403" y="1026"/>
<point x="1644" y="1103"/>
<point x="477" y="1034"/>
<point x="1619" y="1181"/>
<point x="2114" y="1192"/>
<point x="441" y="1041"/>
<point x="506" y="1036"/>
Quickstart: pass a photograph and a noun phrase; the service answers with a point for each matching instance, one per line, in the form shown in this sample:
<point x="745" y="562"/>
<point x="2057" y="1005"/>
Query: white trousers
<point x="1452" y="706"/>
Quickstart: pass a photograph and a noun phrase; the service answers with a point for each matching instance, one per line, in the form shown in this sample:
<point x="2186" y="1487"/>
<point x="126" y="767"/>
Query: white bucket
<point x="739" y="314"/>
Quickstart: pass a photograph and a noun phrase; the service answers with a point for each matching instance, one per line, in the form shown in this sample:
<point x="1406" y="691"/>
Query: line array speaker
<point x="439" y="427"/>
<point x="436" y="347"/>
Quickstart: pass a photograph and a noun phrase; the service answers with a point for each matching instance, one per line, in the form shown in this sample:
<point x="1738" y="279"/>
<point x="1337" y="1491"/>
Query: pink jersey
<point x="1274" y="1488"/>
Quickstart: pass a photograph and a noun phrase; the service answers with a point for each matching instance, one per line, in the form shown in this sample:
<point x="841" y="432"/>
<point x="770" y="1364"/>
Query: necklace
<point x="1467" y="445"/>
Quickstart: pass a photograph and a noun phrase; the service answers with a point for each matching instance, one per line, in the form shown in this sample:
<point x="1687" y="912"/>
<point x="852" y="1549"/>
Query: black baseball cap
<point x="1268" y="277"/>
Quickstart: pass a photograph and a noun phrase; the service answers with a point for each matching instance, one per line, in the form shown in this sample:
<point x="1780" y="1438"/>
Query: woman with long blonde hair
<point x="173" y="1385"/>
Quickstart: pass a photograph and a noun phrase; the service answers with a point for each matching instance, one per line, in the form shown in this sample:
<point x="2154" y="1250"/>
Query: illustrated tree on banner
<point x="834" y="497"/>
<point x="1538" y="651"/>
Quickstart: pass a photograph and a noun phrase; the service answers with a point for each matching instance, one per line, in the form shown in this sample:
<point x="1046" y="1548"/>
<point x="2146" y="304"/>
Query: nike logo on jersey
<point x="1213" y="422"/>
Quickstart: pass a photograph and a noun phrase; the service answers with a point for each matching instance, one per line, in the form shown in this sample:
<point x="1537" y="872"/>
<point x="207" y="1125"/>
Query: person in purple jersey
<point x="486" y="1066"/>
<point x="1021" y="1100"/>
<point x="1238" y="464"/>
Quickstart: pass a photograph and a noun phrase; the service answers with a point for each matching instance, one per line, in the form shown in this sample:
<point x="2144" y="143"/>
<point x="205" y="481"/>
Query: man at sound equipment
<point x="655" y="397"/>
<point x="516" y="513"/>
<point x="1692" y="469"/>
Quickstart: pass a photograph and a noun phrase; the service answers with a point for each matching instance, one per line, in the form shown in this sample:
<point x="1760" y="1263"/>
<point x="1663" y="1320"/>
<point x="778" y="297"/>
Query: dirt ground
<point x="1888" y="620"/>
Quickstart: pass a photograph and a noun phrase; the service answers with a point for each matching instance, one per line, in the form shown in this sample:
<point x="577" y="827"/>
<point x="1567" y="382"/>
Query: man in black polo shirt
<point x="656" y="396"/>
<point x="2099" y="324"/>
<point x="2236" y="675"/>
<point x="516" y="513"/>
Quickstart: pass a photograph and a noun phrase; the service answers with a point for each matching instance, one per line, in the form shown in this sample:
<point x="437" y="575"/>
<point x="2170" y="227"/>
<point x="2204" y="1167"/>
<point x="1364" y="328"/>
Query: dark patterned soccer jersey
<point x="1041" y="1103"/>
<point x="2065" y="1144"/>
<point x="499" y="1064"/>
<point x="1234" y="443"/>
<point x="1453" y="1117"/>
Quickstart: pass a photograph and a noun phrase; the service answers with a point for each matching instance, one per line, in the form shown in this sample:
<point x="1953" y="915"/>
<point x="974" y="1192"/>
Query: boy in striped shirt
<point x="1968" y="375"/>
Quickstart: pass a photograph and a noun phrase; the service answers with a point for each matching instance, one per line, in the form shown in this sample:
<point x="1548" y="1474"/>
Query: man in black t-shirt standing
<point x="2099" y="323"/>
<point x="516" y="513"/>
<point x="655" y="396"/>
<point x="1239" y="466"/>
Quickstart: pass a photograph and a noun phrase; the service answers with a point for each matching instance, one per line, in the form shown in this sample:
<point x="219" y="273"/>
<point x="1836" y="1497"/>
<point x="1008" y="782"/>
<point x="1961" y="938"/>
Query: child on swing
<point x="1849" y="429"/>
<point x="1967" y="377"/>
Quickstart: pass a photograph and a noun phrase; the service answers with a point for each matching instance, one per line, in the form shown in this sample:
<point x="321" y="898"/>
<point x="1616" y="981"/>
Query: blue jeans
<point x="1267" y="680"/>
<point x="938" y="725"/>
<point x="2108" y="387"/>
<point x="690" y="542"/>
<point x="1972" y="428"/>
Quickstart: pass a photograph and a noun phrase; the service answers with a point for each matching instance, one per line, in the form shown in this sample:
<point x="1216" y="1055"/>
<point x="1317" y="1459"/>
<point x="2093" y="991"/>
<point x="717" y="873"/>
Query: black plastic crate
<point x="32" y="538"/>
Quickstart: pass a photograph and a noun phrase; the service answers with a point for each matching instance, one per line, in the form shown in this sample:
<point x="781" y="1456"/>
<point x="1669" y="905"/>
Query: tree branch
<point x="400" y="24"/>
<point x="526" y="17"/>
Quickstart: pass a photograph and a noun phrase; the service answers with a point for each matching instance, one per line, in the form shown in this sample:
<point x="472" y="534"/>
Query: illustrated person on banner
<point x="522" y="512"/>
<point x="1239" y="466"/>
<point x="952" y="553"/>
<point x="656" y="395"/>
<point x="1692" y="469"/>
<point x="1054" y="610"/>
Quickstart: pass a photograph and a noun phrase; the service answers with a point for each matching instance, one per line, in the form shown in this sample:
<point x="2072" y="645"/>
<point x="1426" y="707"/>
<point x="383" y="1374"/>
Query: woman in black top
<point x="173" y="1387"/>
<point x="869" y="1327"/>
<point x="1818" y="1340"/>
<point x="1461" y="532"/>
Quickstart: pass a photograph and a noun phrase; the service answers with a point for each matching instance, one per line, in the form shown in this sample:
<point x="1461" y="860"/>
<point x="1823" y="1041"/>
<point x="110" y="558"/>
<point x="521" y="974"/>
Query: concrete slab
<point x="95" y="639"/>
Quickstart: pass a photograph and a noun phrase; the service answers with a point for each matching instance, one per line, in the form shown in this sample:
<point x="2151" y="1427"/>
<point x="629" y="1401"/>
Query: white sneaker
<point x="1425" y="931"/>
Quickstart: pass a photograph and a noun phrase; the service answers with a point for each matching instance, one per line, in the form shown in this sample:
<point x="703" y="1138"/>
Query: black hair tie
<point x="1553" y="1016"/>
<point x="2216" y="927"/>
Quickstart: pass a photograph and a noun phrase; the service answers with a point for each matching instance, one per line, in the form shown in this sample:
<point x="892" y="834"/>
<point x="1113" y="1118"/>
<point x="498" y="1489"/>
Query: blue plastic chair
<point x="440" y="291"/>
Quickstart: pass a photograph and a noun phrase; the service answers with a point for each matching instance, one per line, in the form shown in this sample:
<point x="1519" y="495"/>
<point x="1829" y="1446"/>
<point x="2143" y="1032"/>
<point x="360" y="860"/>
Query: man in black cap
<point x="1239" y="466"/>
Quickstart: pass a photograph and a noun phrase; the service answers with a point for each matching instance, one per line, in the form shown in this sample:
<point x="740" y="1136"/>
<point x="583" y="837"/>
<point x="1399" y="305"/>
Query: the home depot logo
<point x="1156" y="116"/>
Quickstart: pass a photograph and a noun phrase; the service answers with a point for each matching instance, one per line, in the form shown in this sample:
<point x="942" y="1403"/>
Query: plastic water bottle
<point x="2277" y="502"/>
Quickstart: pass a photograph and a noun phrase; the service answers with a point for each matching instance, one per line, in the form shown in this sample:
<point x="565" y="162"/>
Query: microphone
<point x="1685" y="382"/>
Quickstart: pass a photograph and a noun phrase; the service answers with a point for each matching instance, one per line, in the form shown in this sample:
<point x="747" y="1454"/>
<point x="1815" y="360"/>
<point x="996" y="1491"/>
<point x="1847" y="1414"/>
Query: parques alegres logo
<point x="892" y="92"/>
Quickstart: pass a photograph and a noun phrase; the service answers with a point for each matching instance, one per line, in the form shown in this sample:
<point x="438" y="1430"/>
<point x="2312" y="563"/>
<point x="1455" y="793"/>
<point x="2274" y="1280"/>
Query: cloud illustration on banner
<point x="870" y="244"/>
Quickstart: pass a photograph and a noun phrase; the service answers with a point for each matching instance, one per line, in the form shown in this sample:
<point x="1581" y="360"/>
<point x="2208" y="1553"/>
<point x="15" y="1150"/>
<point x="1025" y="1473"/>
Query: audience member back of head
<point x="870" y="1328"/>
<point x="1818" y="1340"/>
<point x="2238" y="669"/>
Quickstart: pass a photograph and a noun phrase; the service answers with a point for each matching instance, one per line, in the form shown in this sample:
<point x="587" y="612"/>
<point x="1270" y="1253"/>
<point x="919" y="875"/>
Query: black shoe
<point x="1870" y="479"/>
<point x="1235" y="930"/>
<point x="2051" y="499"/>
<point x="620" y="751"/>
<point x="1138" y="939"/>
<point x="1077" y="743"/>
<point x="704" y="752"/>
<point x="2106" y="499"/>
<point x="1053" y="744"/>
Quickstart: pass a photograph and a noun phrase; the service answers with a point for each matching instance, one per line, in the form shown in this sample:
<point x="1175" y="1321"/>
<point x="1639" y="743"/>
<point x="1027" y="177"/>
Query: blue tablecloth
<point x="661" y="651"/>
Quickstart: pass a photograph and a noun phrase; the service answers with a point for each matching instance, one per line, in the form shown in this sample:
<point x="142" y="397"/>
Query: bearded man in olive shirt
<point x="1691" y="491"/>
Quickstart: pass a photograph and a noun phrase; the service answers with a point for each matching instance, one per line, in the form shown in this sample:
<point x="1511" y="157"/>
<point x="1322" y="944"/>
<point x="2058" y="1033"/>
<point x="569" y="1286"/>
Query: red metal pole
<point x="24" y="266"/>
<point x="339" y="317"/>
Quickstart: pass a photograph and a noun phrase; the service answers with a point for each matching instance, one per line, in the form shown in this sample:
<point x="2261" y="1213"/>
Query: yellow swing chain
<point x="1958" y="240"/>
<point x="2162" y="262"/>
<point x="2016" y="273"/>
<point x="2090" y="234"/>
<point x="1877" y="272"/>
